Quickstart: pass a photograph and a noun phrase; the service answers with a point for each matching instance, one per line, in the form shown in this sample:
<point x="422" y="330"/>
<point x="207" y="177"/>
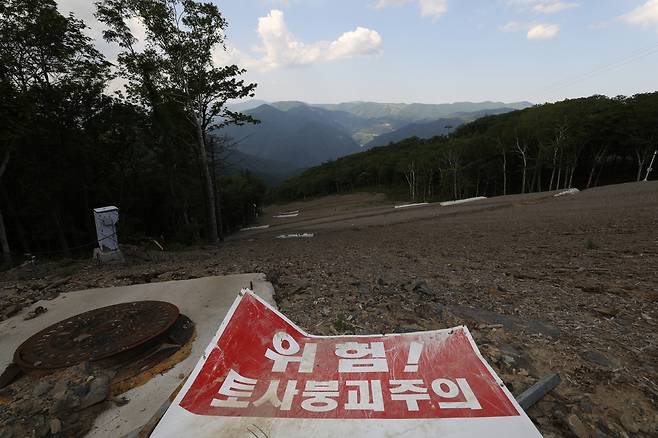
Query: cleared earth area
<point x="546" y="284"/>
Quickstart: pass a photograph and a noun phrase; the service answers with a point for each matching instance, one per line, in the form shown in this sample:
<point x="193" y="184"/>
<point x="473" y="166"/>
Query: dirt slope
<point x="547" y="284"/>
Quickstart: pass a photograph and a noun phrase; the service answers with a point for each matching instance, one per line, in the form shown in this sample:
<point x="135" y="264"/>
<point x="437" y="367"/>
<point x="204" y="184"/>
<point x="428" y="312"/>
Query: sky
<point x="433" y="51"/>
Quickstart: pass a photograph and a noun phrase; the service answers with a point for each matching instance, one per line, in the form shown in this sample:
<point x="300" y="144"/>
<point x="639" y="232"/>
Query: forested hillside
<point x="300" y="137"/>
<point x="421" y="130"/>
<point x="574" y="143"/>
<point x="67" y="145"/>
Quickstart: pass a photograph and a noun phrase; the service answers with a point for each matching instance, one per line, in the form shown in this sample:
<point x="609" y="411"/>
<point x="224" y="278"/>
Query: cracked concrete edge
<point x="265" y="290"/>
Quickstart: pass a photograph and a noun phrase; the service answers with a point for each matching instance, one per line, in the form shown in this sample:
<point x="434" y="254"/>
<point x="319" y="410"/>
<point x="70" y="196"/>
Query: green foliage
<point x="242" y="196"/>
<point x="67" y="147"/>
<point x="175" y="71"/>
<point x="342" y="324"/>
<point x="580" y="142"/>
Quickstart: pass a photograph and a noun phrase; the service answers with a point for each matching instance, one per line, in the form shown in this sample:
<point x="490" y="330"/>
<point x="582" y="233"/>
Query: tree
<point x="451" y="159"/>
<point x="176" y="67"/>
<point x="410" y="177"/>
<point x="4" y="242"/>
<point x="51" y="80"/>
<point x="521" y="146"/>
<point x="8" y="132"/>
<point x="644" y="133"/>
<point x="559" y="138"/>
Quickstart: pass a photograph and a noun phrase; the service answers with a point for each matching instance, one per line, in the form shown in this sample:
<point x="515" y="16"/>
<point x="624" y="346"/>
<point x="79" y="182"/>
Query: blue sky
<point x="436" y="51"/>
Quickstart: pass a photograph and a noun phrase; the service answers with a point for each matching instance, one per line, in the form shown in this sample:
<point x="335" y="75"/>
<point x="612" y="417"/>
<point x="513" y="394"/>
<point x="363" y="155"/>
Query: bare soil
<point x="546" y="284"/>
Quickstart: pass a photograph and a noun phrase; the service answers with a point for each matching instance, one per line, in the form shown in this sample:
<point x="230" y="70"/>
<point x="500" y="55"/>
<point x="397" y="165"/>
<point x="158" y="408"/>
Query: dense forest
<point x="574" y="143"/>
<point x="69" y="144"/>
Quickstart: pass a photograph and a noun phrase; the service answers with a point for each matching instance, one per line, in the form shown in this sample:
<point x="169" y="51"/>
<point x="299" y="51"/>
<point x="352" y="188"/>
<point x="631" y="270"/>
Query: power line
<point x="567" y="82"/>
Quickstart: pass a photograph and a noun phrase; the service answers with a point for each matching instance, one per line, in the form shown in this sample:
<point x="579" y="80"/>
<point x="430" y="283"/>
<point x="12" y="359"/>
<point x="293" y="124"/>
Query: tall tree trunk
<point x="4" y="241"/>
<point x="550" y="184"/>
<point x="59" y="230"/>
<point x="533" y="182"/>
<point x="598" y="175"/>
<point x="21" y="235"/>
<point x="6" y="253"/>
<point x="213" y="236"/>
<point x="477" y="184"/>
<point x="591" y="175"/>
<point x="523" y="153"/>
<point x="640" y="164"/>
<point x="564" y="173"/>
<point x="650" y="167"/>
<point x="504" y="173"/>
<point x="410" y="176"/>
<point x="218" y="199"/>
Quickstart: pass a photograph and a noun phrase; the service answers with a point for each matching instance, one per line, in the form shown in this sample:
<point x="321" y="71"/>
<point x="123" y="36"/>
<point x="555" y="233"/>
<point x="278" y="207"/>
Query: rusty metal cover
<point x="96" y="334"/>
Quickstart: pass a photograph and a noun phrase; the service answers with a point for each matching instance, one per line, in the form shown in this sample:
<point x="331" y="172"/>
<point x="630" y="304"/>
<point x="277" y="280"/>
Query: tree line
<point x="69" y="144"/>
<point x="573" y="143"/>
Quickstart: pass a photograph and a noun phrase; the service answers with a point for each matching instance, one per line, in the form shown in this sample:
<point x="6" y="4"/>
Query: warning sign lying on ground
<point x="263" y="376"/>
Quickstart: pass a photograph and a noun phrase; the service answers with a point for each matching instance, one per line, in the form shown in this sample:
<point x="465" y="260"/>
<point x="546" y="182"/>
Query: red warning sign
<point x="261" y="366"/>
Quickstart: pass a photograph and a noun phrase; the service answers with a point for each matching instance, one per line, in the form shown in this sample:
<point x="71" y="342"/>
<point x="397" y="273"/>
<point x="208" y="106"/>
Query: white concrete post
<point x="106" y="219"/>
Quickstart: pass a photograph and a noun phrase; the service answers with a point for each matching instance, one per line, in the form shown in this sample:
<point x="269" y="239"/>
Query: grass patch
<point x="342" y="325"/>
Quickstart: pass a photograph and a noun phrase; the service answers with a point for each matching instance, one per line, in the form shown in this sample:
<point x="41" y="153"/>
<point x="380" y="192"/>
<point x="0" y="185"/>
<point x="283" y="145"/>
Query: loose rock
<point x="599" y="359"/>
<point x="577" y="427"/>
<point x="55" y="426"/>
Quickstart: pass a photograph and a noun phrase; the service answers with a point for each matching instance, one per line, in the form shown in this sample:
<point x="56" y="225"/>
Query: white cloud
<point x="433" y="8"/>
<point x="230" y="56"/>
<point x="542" y="6"/>
<point x="428" y="8"/>
<point x="543" y="31"/>
<point x="534" y="31"/>
<point x="552" y="7"/>
<point x="361" y="41"/>
<point x="281" y="48"/>
<point x="645" y="15"/>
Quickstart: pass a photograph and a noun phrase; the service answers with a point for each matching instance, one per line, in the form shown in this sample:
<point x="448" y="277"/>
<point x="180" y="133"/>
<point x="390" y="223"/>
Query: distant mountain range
<point x="292" y="135"/>
<point x="434" y="128"/>
<point x="414" y="112"/>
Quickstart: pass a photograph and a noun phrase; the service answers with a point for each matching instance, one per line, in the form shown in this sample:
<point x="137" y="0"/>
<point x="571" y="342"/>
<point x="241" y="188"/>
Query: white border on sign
<point x="522" y="417"/>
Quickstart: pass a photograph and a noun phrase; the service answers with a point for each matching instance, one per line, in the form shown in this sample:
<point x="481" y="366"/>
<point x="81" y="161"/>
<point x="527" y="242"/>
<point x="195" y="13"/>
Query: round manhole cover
<point x="96" y="334"/>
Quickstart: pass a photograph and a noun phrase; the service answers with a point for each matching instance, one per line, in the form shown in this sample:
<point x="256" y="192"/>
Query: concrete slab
<point x="204" y="300"/>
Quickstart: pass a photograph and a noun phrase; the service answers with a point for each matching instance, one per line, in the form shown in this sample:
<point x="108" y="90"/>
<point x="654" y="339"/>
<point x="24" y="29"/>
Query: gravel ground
<point x="546" y="284"/>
